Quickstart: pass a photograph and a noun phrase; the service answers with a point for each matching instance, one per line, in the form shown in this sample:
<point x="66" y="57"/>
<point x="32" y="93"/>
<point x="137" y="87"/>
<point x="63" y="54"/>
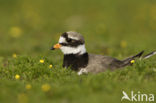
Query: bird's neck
<point x="67" y="50"/>
<point x="75" y="61"/>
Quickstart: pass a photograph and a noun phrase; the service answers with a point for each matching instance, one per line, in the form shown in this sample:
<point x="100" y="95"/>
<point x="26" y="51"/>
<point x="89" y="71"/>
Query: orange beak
<point x="56" y="46"/>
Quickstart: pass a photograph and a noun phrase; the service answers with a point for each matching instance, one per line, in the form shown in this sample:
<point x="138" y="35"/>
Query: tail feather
<point x="128" y="60"/>
<point x="139" y="55"/>
<point x="149" y="55"/>
<point x="136" y="56"/>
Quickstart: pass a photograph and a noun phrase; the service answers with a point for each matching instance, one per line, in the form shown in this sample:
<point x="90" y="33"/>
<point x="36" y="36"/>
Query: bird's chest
<point x="75" y="62"/>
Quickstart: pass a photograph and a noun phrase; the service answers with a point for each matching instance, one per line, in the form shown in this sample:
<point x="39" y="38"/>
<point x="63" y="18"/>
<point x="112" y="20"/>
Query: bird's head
<point x="71" y="43"/>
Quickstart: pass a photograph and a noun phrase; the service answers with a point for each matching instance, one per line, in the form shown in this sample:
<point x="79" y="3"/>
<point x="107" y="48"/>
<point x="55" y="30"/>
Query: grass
<point x="66" y="86"/>
<point x="116" y="28"/>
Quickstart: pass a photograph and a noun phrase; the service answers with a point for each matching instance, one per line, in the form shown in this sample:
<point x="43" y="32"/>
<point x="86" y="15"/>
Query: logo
<point x="137" y="97"/>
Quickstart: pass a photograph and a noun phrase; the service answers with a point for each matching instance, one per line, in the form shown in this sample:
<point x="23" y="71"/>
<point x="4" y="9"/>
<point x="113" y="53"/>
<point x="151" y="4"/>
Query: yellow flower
<point x="17" y="76"/>
<point x="123" y="44"/>
<point x="50" y="66"/>
<point x="28" y="86"/>
<point x="15" y="32"/>
<point x="22" y="98"/>
<point x="132" y="61"/>
<point x="41" y="61"/>
<point x="14" y="55"/>
<point x="45" y="87"/>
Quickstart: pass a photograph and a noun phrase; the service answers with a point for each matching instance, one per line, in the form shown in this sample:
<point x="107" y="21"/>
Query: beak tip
<point x="52" y="48"/>
<point x="56" y="46"/>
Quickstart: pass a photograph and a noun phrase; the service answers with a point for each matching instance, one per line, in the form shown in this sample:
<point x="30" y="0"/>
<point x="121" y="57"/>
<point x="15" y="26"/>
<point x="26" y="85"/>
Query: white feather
<point x="62" y="40"/>
<point x="149" y="55"/>
<point x="75" y="38"/>
<point x="71" y="36"/>
<point x="73" y="50"/>
<point x="82" y="71"/>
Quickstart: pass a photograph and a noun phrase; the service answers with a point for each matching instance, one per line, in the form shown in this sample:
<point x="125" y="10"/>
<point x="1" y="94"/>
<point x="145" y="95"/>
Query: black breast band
<point x="75" y="61"/>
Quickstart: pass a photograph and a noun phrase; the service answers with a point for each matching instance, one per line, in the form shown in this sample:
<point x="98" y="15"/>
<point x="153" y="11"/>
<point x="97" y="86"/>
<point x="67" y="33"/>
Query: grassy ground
<point x="115" y="28"/>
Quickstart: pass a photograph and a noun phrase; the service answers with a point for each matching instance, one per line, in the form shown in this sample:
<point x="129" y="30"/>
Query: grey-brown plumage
<point x="72" y="44"/>
<point x="99" y="63"/>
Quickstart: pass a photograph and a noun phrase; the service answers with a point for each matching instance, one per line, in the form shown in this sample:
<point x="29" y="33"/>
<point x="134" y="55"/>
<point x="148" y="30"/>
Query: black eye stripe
<point x="63" y="44"/>
<point x="65" y="35"/>
<point x="71" y="42"/>
<point x="68" y="40"/>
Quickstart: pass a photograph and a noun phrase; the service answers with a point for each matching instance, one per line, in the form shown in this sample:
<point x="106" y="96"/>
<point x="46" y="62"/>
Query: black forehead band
<point x="65" y="35"/>
<point x="72" y="44"/>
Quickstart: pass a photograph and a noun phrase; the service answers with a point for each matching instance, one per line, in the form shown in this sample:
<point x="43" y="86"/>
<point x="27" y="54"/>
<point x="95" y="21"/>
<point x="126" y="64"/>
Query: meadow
<point x="31" y="73"/>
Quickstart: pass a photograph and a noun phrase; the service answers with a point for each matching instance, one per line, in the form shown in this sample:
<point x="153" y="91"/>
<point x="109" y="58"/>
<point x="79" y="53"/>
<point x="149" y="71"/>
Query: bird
<point x="72" y="44"/>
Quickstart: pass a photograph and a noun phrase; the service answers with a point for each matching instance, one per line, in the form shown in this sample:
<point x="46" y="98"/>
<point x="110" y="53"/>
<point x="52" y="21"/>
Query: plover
<point x="72" y="44"/>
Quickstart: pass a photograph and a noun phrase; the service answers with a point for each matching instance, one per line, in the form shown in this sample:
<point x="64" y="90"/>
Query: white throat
<point x="73" y="50"/>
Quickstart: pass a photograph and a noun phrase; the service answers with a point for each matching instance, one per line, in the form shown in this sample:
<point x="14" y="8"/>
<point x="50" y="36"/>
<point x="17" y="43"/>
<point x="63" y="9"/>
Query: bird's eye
<point x="69" y="40"/>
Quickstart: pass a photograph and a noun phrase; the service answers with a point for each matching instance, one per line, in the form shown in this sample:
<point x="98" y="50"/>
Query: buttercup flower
<point x="132" y="61"/>
<point x="22" y="98"/>
<point x="45" y="87"/>
<point x="15" y="32"/>
<point x="50" y="66"/>
<point x="28" y="86"/>
<point x="123" y="44"/>
<point x="17" y="76"/>
<point x="41" y="61"/>
<point x="14" y="55"/>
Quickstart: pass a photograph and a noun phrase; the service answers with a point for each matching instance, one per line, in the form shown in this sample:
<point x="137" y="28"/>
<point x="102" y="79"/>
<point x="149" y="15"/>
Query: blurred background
<point x="114" y="27"/>
<point x="118" y="28"/>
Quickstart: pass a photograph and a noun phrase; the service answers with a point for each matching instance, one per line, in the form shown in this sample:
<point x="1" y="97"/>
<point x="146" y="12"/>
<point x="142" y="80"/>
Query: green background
<point x="118" y="28"/>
